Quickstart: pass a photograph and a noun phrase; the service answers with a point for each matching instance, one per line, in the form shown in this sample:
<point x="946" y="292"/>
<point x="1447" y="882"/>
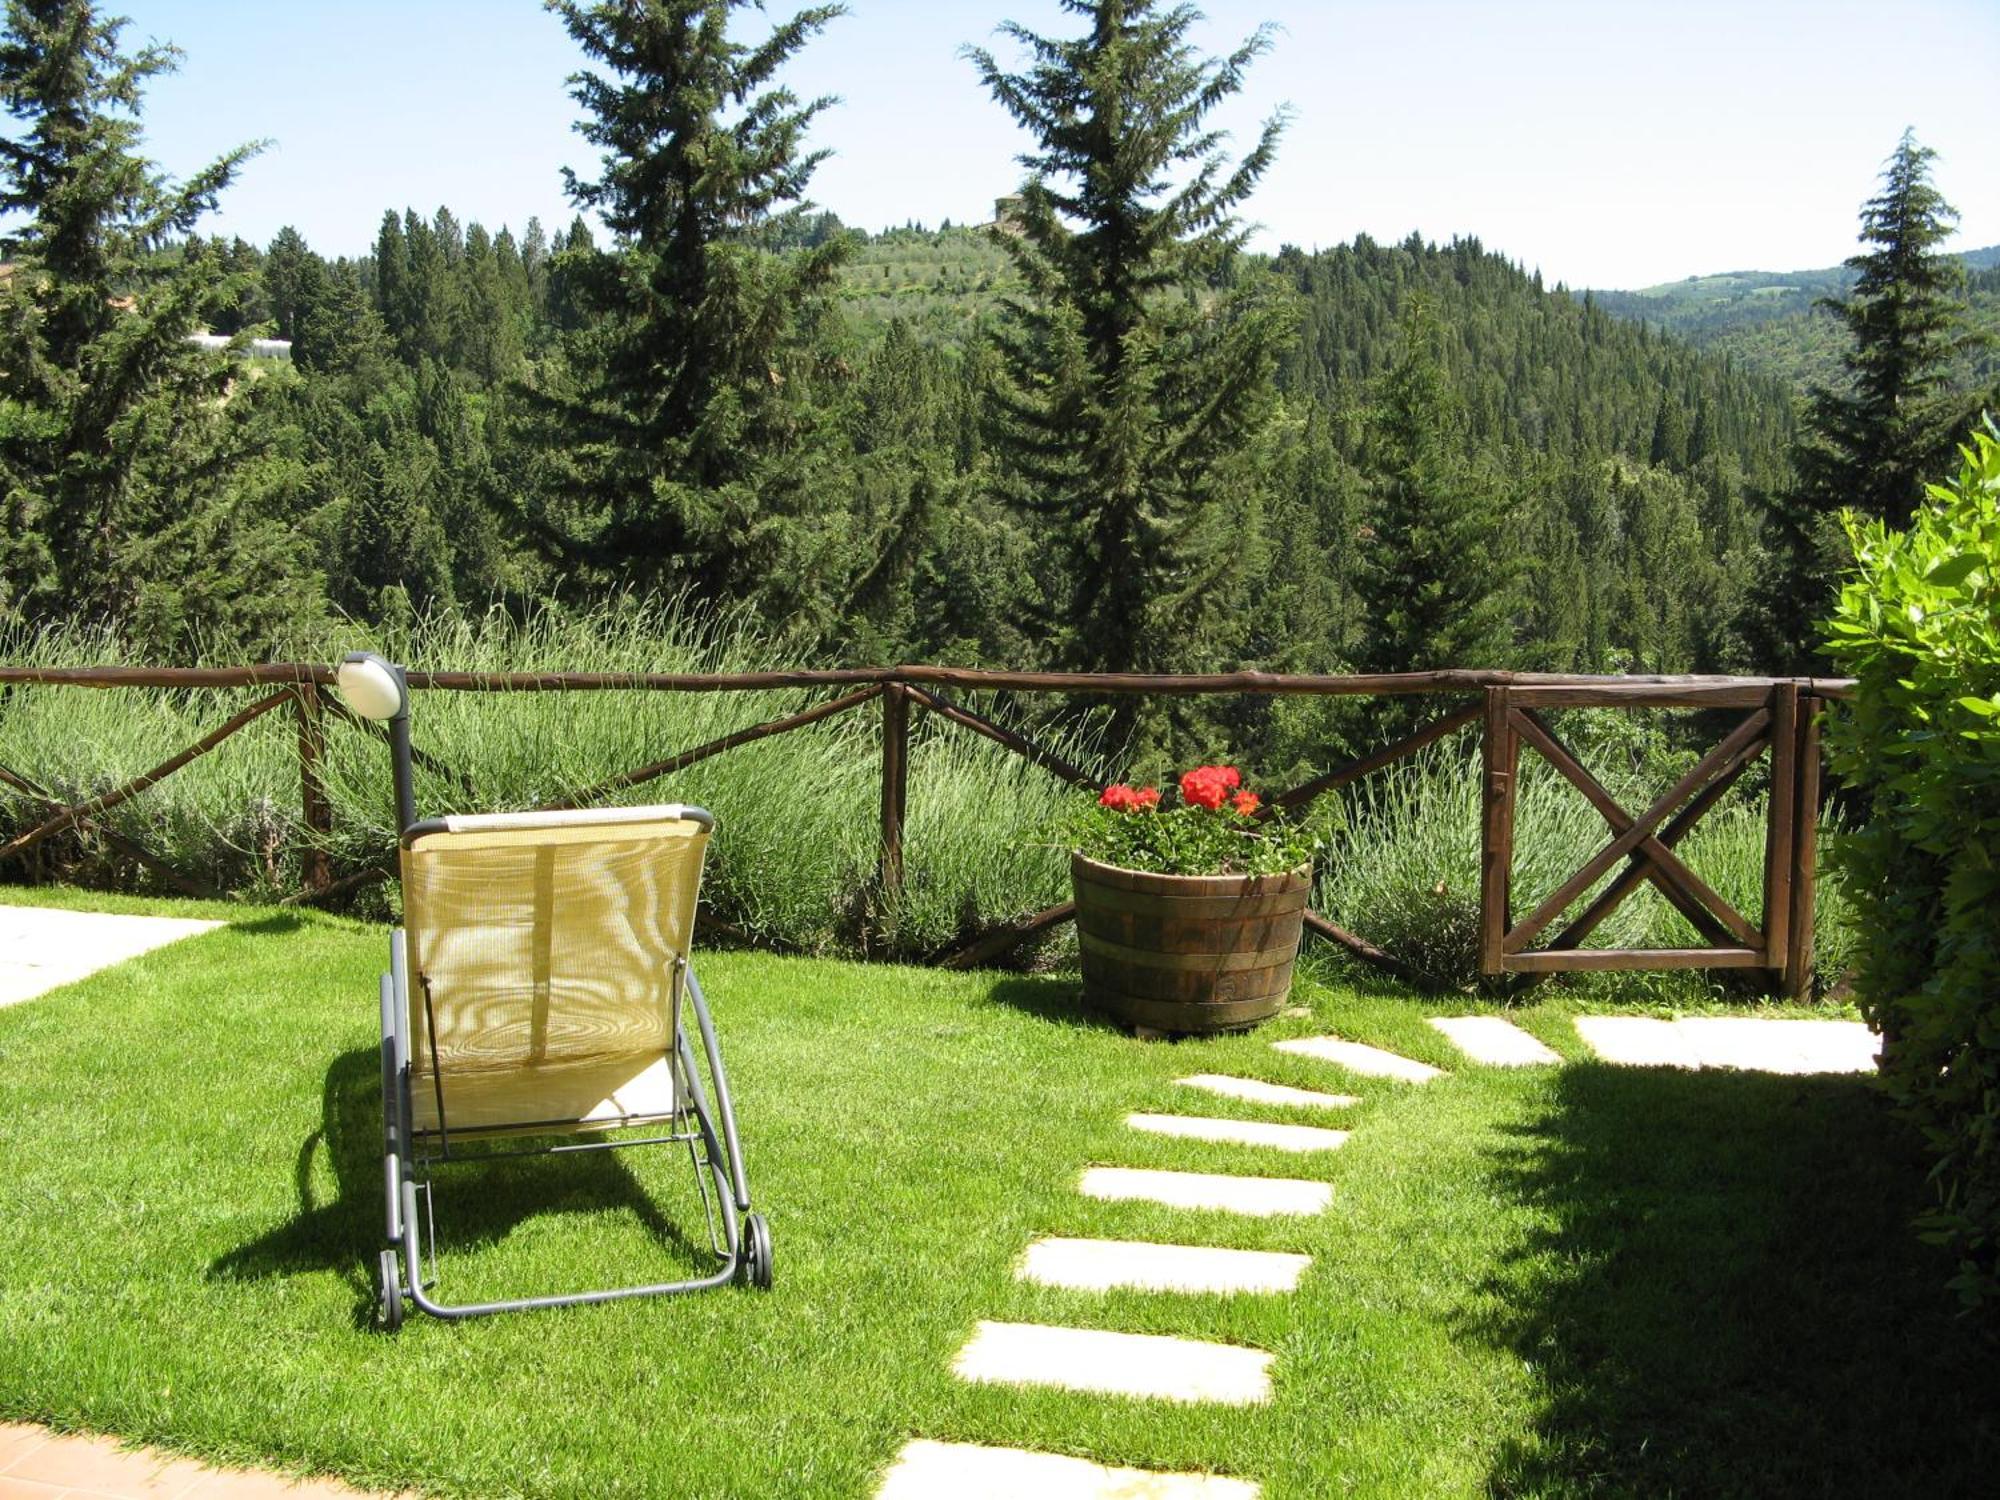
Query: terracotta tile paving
<point x="36" y="1464"/>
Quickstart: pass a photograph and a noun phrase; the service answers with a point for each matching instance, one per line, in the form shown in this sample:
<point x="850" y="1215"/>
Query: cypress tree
<point x="681" y="409"/>
<point x="1140" y="356"/>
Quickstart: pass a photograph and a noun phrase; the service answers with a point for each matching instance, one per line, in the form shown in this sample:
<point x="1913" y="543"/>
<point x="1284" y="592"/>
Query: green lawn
<point x="1560" y="1282"/>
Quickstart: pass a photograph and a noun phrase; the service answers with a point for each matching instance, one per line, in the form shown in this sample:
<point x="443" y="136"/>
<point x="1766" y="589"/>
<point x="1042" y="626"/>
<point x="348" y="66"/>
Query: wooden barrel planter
<point x="1187" y="953"/>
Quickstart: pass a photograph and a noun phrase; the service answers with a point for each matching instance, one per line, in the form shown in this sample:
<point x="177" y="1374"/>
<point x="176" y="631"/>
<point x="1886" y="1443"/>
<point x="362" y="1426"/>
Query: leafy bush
<point x="1918" y="626"/>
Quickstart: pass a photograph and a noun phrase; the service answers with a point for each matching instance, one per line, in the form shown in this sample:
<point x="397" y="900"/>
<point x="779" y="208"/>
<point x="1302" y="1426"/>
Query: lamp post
<point x="377" y="689"/>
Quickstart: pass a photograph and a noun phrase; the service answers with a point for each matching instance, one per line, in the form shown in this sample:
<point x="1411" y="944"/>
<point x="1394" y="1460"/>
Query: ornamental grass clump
<point x="1211" y="824"/>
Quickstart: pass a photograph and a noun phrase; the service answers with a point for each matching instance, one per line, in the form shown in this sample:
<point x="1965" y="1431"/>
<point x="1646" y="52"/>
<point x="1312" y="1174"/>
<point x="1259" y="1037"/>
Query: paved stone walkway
<point x="42" y="948"/>
<point x="36" y="1464"/>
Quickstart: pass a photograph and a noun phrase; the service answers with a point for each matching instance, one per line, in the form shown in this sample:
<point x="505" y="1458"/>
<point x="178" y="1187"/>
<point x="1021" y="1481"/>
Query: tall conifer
<point x="1140" y="356"/>
<point x="686" y="431"/>
<point x="123" y="490"/>
<point x="1436" y="577"/>
<point x="1871" y="442"/>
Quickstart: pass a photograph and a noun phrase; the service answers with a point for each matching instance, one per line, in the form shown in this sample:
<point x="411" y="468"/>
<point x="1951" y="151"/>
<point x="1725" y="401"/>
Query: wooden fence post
<point x="1804" y="852"/>
<point x="318" y="811"/>
<point x="895" y="789"/>
<point x="1500" y="755"/>
<point x="1780" y="834"/>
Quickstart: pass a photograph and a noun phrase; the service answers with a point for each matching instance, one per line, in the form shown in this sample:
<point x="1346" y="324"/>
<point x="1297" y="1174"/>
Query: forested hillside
<point x="1772" y="323"/>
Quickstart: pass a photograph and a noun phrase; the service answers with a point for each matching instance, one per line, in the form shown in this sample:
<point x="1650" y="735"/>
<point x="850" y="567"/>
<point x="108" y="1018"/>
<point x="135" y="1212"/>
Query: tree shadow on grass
<point x="1727" y="1299"/>
<point x="479" y="1203"/>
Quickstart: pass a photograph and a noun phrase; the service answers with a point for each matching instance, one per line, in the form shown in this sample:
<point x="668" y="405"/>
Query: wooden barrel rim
<point x="1083" y="867"/>
<point x="1248" y="905"/>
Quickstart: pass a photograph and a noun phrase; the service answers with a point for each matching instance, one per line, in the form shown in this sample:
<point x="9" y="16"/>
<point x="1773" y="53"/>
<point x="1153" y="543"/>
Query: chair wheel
<point x="757" y="1253"/>
<point x="389" y="1299"/>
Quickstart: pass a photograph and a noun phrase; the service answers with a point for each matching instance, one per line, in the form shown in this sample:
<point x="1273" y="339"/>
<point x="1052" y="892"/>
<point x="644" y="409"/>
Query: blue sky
<point x="1609" y="142"/>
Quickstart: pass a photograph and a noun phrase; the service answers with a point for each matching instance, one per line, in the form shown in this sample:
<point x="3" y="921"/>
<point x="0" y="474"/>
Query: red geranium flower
<point x="1145" y="797"/>
<point x="1118" y="797"/>
<point x="1207" y="786"/>
<point x="1246" y="802"/>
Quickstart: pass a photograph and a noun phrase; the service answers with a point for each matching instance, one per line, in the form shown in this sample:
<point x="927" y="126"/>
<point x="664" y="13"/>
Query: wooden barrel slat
<point x="1194" y="1015"/>
<point x="1181" y="984"/>
<point x="1132" y="929"/>
<point x="1189" y="963"/>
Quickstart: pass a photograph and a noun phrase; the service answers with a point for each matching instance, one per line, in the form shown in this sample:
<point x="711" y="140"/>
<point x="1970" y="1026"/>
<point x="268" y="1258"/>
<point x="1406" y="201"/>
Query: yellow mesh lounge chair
<point x="538" y="989"/>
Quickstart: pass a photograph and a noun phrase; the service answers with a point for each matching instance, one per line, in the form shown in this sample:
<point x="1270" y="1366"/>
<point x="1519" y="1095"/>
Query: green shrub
<point x="1918" y="626"/>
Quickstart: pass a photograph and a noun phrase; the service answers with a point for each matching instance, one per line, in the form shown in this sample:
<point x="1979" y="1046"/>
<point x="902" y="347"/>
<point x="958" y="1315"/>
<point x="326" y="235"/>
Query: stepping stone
<point x="971" y="1471"/>
<point x="1262" y="1197"/>
<point x="1256" y="1091"/>
<point x="1494" y="1040"/>
<point x="1241" y="1132"/>
<point x="1773" y="1045"/>
<point x="1101" y="1265"/>
<point x="42" y="948"/>
<point x="1749" y="1043"/>
<point x="1637" y="1041"/>
<point x="1115" y="1364"/>
<point x="1359" y="1057"/>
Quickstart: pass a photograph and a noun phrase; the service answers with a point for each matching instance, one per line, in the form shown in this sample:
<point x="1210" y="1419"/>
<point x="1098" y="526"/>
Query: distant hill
<point x="1771" y="319"/>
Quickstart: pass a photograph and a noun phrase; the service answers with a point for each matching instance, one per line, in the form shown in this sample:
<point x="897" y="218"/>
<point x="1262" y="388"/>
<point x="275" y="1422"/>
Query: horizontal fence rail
<point x="1780" y="723"/>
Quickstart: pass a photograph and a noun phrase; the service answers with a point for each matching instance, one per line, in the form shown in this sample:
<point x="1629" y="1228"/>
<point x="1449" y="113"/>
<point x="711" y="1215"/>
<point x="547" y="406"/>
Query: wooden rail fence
<point x="1779" y="721"/>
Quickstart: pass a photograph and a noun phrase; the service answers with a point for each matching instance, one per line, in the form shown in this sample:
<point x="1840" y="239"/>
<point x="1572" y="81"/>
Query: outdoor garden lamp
<point x="377" y="689"/>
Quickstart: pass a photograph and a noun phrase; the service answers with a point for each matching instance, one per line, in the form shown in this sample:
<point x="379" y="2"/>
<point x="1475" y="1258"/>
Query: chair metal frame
<point x="706" y="1128"/>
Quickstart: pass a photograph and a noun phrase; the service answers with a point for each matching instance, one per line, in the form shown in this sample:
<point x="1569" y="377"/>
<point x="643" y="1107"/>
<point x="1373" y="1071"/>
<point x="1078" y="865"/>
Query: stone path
<point x="1494" y="1040"/>
<point x="36" y="1464"/>
<point x="42" y="947"/>
<point x="1148" y="1365"/>
<point x="1743" y="1042"/>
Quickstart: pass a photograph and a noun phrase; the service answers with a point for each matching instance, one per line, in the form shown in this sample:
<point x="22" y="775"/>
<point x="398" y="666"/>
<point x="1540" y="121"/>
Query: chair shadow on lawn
<point x="478" y="1203"/>
<point x="1727" y="1297"/>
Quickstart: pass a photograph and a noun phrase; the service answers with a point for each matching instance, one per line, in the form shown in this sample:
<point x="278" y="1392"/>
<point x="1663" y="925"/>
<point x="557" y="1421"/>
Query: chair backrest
<point x="548" y="938"/>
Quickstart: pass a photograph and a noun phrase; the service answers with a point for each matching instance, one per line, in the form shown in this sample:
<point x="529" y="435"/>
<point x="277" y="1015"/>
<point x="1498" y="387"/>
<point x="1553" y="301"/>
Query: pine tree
<point x="685" y="420"/>
<point x="1436" y="578"/>
<point x="1141" y="355"/>
<point x="1878" y="442"/>
<point x="126" y="479"/>
<point x="1871" y="444"/>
